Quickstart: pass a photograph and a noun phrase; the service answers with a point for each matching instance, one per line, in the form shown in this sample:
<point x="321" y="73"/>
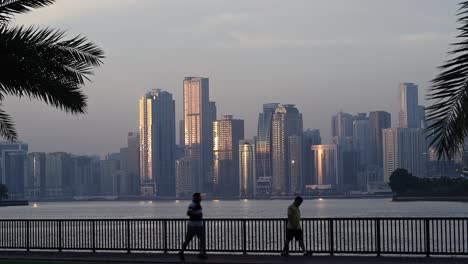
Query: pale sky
<point x="322" y="55"/>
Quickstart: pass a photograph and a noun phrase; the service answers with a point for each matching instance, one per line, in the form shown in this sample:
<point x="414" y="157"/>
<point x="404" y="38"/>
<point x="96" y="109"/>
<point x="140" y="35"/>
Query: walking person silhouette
<point x="294" y="229"/>
<point x="195" y="226"/>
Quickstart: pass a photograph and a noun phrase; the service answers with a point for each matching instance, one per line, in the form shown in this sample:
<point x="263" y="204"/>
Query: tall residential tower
<point x="157" y="144"/>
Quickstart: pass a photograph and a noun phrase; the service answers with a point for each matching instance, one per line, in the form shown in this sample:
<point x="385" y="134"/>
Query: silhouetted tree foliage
<point x="404" y="183"/>
<point x="450" y="94"/>
<point x="3" y="192"/>
<point x="42" y="64"/>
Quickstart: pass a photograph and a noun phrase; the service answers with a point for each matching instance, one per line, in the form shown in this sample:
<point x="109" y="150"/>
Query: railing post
<point x="28" y="244"/>
<point x="60" y="235"/>
<point x="330" y="237"/>
<point x="165" y="235"/>
<point x="128" y="236"/>
<point x="244" y="236"/>
<point x="377" y="239"/>
<point x="94" y="236"/>
<point x="427" y="237"/>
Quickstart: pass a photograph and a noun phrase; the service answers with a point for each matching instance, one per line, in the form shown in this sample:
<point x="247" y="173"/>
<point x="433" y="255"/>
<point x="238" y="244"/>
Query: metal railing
<point x="425" y="236"/>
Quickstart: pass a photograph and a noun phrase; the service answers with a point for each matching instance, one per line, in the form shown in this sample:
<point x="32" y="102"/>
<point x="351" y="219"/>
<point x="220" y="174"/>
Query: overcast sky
<point x="322" y="55"/>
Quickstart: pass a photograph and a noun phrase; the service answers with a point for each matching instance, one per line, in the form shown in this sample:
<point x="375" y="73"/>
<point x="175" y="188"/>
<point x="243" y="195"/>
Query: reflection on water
<point x="235" y="209"/>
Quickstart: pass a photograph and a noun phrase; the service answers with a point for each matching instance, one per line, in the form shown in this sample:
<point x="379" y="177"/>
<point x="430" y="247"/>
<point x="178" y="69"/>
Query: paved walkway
<point x="138" y="258"/>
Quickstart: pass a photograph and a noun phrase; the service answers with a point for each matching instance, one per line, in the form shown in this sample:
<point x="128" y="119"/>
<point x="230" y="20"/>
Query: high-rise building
<point x="342" y="125"/>
<point x="349" y="153"/>
<point x="362" y="135"/>
<point x="378" y="121"/>
<point x="198" y="125"/>
<point x="84" y="183"/>
<point x="4" y="146"/>
<point x="409" y="112"/>
<point x="263" y="148"/>
<point x="181" y="134"/>
<point x="227" y="133"/>
<point x="287" y="122"/>
<point x="110" y="177"/>
<point x="130" y="162"/>
<point x="35" y="175"/>
<point x="184" y="171"/>
<point x="247" y="177"/>
<point x="326" y="165"/>
<point x="157" y="144"/>
<point x="309" y="138"/>
<point x="404" y="148"/>
<point x="422" y="116"/>
<point x="59" y="174"/>
<point x="14" y="170"/>
<point x="296" y="181"/>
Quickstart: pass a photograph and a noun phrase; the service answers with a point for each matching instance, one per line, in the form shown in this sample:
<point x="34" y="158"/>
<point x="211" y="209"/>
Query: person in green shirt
<point x="294" y="229"/>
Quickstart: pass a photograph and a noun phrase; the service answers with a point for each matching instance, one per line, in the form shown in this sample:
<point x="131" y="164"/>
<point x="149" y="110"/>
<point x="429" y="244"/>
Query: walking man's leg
<point x="190" y="234"/>
<point x="286" y="243"/>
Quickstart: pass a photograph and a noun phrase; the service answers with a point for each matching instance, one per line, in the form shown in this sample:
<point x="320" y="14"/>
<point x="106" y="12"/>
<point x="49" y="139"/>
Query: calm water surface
<point x="236" y="209"/>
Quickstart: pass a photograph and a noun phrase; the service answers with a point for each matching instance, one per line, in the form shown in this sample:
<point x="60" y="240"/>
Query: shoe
<point x="284" y="254"/>
<point x="307" y="254"/>
<point x="181" y="255"/>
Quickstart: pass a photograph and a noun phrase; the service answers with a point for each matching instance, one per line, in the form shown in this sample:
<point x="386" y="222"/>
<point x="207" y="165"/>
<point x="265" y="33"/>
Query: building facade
<point x="378" y="121"/>
<point x="198" y="125"/>
<point x="404" y="148"/>
<point x="409" y="112"/>
<point x="263" y="148"/>
<point x="326" y="165"/>
<point x="227" y="133"/>
<point x="287" y="122"/>
<point x="157" y="144"/>
<point x="247" y="176"/>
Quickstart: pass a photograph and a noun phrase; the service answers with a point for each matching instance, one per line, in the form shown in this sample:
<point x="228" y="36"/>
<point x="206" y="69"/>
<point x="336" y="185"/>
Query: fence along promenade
<point x="376" y="236"/>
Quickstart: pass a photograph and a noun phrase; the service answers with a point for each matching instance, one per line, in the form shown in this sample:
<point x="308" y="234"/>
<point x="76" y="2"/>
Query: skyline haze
<point x="323" y="57"/>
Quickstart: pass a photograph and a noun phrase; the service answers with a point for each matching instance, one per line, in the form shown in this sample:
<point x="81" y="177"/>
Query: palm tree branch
<point x="7" y="127"/>
<point x="41" y="64"/>
<point x="8" y="8"/>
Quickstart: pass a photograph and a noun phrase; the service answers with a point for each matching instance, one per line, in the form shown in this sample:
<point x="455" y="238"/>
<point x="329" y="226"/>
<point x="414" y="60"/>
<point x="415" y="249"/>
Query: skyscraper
<point x="287" y="122"/>
<point x="5" y="146"/>
<point x="227" y="133"/>
<point x="296" y="182"/>
<point x="84" y="183"/>
<point x="404" y="148"/>
<point x="326" y="165"/>
<point x="247" y="171"/>
<point x="14" y="171"/>
<point x="184" y="169"/>
<point x="59" y="174"/>
<point x="130" y="162"/>
<point x="362" y="135"/>
<point x="409" y="113"/>
<point x="378" y="121"/>
<point x="157" y="144"/>
<point x="263" y="148"/>
<point x="309" y="138"/>
<point x="342" y="125"/>
<point x="198" y="118"/>
<point x="35" y="175"/>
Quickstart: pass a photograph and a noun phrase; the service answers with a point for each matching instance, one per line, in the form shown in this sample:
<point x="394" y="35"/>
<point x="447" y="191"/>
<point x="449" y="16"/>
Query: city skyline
<point x="259" y="59"/>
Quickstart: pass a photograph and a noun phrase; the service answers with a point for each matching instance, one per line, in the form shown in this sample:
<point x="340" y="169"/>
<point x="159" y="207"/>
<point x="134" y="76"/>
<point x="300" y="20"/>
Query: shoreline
<point x="429" y="199"/>
<point x="171" y="199"/>
<point x="14" y="203"/>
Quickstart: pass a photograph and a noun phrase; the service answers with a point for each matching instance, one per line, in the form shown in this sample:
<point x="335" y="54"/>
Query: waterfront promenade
<point x="134" y="258"/>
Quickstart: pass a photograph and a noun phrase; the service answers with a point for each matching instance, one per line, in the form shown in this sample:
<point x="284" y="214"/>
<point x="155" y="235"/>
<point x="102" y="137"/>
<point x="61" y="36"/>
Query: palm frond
<point x="8" y="8"/>
<point x="42" y="64"/>
<point x="7" y="127"/>
<point x="449" y="92"/>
